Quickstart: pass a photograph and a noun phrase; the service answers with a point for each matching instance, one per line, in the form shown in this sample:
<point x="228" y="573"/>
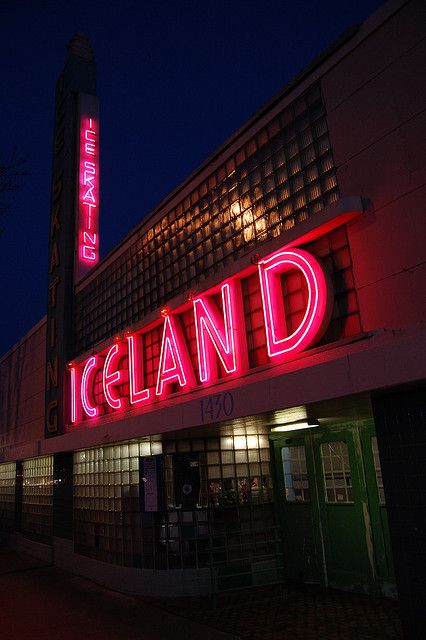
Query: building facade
<point x="235" y="395"/>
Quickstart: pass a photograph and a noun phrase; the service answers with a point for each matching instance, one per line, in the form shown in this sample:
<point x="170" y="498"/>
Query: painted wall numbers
<point x="217" y="407"/>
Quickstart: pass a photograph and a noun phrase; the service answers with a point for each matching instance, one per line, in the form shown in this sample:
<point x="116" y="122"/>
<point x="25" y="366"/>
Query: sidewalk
<point x="297" y="612"/>
<point x="40" y="602"/>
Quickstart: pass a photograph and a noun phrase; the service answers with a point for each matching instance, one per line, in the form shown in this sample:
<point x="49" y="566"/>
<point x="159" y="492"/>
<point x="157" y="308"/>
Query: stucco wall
<point x="376" y="101"/>
<point x="22" y="374"/>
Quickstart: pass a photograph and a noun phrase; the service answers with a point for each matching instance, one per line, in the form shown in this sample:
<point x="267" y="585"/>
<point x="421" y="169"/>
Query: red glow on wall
<point x="289" y="312"/>
<point x="279" y="342"/>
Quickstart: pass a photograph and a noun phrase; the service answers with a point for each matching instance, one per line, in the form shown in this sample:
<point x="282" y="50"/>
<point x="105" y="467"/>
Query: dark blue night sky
<point x="175" y="79"/>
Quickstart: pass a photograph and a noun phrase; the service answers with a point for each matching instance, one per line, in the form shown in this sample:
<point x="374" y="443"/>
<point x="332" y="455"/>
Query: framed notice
<point x="151" y="483"/>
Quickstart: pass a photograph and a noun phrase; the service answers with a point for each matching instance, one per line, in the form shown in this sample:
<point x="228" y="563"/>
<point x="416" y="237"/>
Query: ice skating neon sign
<point x="220" y="340"/>
<point x="88" y="241"/>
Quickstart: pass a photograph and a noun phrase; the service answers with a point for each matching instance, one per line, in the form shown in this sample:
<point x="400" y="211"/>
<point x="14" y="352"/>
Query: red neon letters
<point x="220" y="338"/>
<point x="217" y="335"/>
<point x="88" y="240"/>
<point x="87" y="399"/>
<point x="175" y="365"/>
<point x="112" y="376"/>
<point x="316" y="316"/>
<point x="136" y="370"/>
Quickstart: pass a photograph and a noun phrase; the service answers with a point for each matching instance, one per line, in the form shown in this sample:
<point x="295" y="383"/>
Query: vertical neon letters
<point x="318" y="308"/>
<point x="175" y="365"/>
<point x="89" y="191"/>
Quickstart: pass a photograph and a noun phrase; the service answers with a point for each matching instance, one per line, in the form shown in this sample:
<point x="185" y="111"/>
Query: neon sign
<point x="88" y="194"/>
<point x="220" y="338"/>
<point x="278" y="341"/>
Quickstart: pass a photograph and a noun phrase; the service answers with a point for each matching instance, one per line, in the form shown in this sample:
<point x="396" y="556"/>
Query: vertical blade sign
<point x="88" y="197"/>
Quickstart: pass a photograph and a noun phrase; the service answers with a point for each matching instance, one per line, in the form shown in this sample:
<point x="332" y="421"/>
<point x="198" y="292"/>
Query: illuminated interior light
<point x="296" y="426"/>
<point x="87" y="401"/>
<point x="221" y="334"/>
<point x="175" y="365"/>
<point x="235" y="208"/>
<point x="240" y="442"/>
<point x="112" y="376"/>
<point x="318" y="309"/>
<point x="164" y="312"/>
<point x="136" y="370"/>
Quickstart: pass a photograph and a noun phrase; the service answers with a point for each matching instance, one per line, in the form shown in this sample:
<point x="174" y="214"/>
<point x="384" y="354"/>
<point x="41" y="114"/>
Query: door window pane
<point x="378" y="470"/>
<point x="295" y="474"/>
<point x="336" y="472"/>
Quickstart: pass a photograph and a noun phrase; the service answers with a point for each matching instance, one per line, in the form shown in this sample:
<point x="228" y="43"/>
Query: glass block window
<point x="295" y="474"/>
<point x="378" y="470"/>
<point x="235" y="469"/>
<point x="7" y="495"/>
<point x="336" y="472"/>
<point x="333" y="251"/>
<point x="106" y="501"/>
<point x="37" y="499"/>
<point x="278" y="178"/>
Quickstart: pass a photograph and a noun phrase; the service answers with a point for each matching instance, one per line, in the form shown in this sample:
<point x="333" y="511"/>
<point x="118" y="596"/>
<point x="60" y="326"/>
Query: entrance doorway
<point x="332" y="508"/>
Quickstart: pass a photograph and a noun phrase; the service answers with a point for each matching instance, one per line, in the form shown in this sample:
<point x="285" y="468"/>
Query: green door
<point x="378" y="513"/>
<point x="343" y="504"/>
<point x="332" y="508"/>
<point x="296" y="487"/>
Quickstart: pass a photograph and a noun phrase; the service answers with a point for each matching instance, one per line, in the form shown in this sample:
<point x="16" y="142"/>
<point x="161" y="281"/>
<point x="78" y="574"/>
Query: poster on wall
<point x="151" y="484"/>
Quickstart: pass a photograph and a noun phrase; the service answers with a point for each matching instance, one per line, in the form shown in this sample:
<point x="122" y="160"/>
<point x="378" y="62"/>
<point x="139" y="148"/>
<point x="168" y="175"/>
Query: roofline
<point x="389" y="8"/>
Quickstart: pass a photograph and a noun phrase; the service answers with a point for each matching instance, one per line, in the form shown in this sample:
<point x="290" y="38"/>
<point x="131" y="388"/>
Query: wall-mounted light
<point x="296" y="426"/>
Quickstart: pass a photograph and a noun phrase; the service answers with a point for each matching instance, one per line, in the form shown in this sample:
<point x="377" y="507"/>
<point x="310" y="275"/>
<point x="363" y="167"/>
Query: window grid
<point x="236" y="469"/>
<point x="378" y="470"/>
<point x="336" y="472"/>
<point x="7" y="495"/>
<point x="37" y="499"/>
<point x="106" y="500"/>
<point x="280" y="177"/>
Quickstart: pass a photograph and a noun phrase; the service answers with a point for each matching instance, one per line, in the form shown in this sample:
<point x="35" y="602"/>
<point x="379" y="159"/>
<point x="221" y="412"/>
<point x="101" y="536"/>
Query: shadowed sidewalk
<point x="41" y="602"/>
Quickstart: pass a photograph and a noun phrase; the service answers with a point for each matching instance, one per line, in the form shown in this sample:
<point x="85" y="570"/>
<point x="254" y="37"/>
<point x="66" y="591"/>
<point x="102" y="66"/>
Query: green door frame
<point x="365" y="517"/>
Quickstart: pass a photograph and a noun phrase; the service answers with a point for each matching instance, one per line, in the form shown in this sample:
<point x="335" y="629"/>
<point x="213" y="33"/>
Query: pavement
<point x="39" y="601"/>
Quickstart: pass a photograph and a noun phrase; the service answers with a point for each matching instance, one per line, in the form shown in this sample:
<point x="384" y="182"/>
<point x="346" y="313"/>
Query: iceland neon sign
<point x="220" y="340"/>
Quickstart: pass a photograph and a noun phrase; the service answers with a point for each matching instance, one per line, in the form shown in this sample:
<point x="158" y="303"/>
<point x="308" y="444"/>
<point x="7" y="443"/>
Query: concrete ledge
<point x="155" y="583"/>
